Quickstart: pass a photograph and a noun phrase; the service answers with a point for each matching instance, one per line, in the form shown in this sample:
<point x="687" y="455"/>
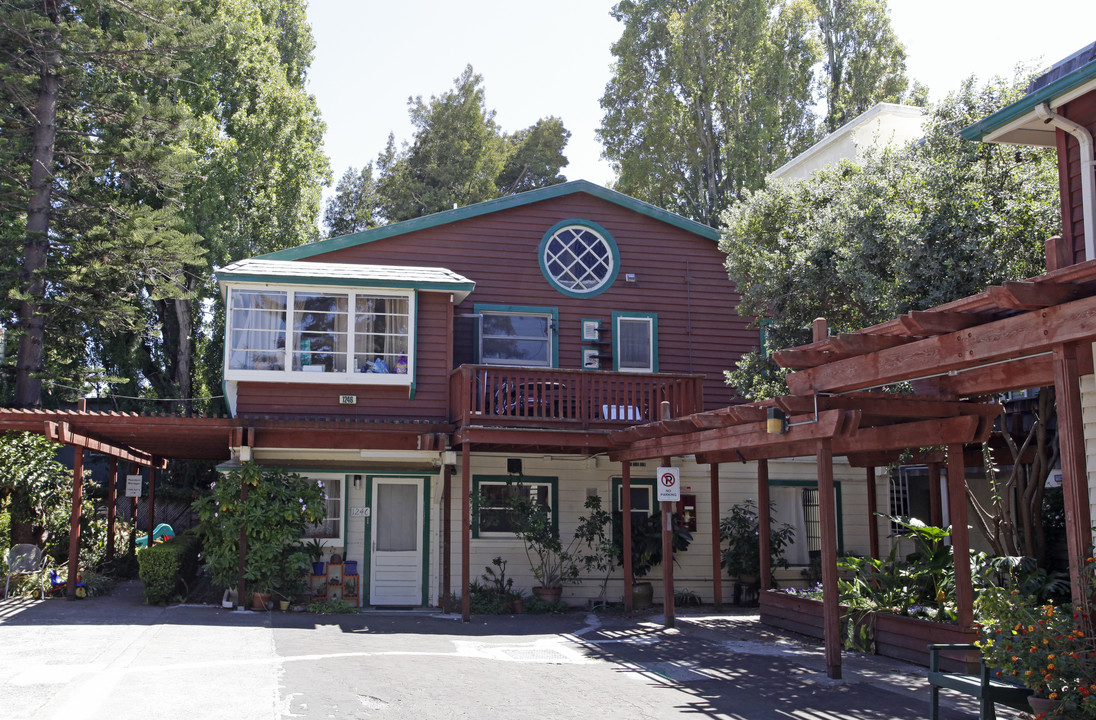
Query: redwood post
<point x="465" y="531"/>
<point x="112" y="505"/>
<point x="667" y="512"/>
<point x="151" y="501"/>
<point x="134" y="469"/>
<point x="764" y="531"/>
<point x="626" y="530"/>
<point x="1074" y="471"/>
<point x="446" y="535"/>
<point x="960" y="535"/>
<point x="873" y="518"/>
<point x="241" y="585"/>
<point x="831" y="609"/>
<point x="717" y="570"/>
<point x="936" y="509"/>
<point x="74" y="520"/>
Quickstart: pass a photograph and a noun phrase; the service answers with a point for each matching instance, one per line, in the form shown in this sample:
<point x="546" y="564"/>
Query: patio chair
<point x="27" y="560"/>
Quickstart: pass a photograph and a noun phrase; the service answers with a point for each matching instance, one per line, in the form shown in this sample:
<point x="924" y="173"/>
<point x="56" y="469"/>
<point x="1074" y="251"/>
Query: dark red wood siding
<point x="1082" y="111"/>
<point x="679" y="275"/>
<point x="374" y="401"/>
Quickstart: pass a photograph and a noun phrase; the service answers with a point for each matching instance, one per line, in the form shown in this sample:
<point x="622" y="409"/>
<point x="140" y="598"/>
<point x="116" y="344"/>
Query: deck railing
<point x="532" y="397"/>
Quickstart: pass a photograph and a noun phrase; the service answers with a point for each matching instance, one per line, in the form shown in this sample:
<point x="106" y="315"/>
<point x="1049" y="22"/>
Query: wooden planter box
<point x="896" y="636"/>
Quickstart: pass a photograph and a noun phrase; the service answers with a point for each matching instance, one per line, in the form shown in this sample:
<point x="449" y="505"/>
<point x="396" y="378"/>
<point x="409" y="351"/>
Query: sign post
<point x="669" y="492"/>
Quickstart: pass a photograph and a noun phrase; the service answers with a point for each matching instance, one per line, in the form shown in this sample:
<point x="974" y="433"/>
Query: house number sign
<point x="669" y="484"/>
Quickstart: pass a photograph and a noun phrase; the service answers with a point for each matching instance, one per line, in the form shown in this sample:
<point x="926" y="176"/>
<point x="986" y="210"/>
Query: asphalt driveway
<point x="117" y="658"/>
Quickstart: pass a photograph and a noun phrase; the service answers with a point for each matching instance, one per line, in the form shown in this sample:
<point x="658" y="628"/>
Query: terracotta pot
<point x="1042" y="706"/>
<point x="643" y="595"/>
<point x="518" y="604"/>
<point x="260" y="601"/>
<point x="550" y="595"/>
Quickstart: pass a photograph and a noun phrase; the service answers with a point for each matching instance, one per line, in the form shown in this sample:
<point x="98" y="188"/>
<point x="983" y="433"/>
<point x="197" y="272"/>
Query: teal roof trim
<point x="1027" y="104"/>
<point x="490" y="206"/>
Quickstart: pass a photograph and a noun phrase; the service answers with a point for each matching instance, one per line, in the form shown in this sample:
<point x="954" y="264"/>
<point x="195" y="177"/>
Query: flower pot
<point x="549" y="595"/>
<point x="1042" y="706"/>
<point x="351" y="567"/>
<point x="283" y="605"/>
<point x="643" y="594"/>
<point x="317" y="568"/>
<point x="259" y="601"/>
<point x="518" y="605"/>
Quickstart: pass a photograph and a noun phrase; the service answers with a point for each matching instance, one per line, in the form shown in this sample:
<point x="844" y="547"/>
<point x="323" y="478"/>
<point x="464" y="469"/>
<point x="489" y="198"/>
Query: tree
<point x="459" y="156"/>
<point x="354" y="206"/>
<point x="91" y="162"/>
<point x="706" y="98"/>
<point x="863" y="61"/>
<point x="905" y="229"/>
<point x="254" y="188"/>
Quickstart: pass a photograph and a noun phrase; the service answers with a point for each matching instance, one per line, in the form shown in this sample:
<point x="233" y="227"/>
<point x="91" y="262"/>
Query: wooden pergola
<point x="1018" y="335"/>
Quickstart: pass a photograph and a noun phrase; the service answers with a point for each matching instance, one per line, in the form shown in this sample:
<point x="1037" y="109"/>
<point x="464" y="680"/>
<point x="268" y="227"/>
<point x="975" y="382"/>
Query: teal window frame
<point x="622" y="315"/>
<point x="479" y="480"/>
<point x="597" y="229"/>
<point x="553" y="332"/>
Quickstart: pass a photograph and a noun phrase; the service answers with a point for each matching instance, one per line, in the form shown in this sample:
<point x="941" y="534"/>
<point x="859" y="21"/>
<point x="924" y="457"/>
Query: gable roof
<point x="1017" y="123"/>
<point x="491" y="206"/>
<point x="265" y="270"/>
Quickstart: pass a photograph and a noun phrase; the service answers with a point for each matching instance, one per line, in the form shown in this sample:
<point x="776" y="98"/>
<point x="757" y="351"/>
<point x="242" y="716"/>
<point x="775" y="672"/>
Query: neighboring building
<point x="1059" y="111"/>
<point x="525" y="329"/>
<point x="882" y="125"/>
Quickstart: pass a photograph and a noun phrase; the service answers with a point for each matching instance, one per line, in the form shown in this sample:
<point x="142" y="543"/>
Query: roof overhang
<point x="287" y="272"/>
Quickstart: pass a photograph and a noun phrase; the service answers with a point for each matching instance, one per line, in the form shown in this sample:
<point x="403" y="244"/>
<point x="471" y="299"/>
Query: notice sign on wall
<point x="669" y="484"/>
<point x="133" y="486"/>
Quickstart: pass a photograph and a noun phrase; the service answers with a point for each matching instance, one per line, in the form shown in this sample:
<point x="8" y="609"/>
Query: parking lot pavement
<point x="116" y="658"/>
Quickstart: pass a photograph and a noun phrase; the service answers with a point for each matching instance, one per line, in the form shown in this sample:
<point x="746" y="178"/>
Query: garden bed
<point x="896" y="636"/>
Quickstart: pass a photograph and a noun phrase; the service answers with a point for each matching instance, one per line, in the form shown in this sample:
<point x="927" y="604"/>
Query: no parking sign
<point x="669" y="484"/>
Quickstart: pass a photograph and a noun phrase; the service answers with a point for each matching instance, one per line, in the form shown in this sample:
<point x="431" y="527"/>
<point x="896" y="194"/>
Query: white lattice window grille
<point x="579" y="260"/>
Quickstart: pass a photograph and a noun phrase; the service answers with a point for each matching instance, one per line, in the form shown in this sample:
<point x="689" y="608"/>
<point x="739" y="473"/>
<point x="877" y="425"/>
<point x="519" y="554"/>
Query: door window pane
<point x="397" y="517"/>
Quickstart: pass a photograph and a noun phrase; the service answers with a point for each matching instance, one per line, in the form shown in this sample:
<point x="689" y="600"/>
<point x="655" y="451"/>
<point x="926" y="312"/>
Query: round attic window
<point x="579" y="258"/>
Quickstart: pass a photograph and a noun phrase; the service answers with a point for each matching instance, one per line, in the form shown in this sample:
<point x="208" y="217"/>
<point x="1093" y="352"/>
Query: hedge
<point x="162" y="565"/>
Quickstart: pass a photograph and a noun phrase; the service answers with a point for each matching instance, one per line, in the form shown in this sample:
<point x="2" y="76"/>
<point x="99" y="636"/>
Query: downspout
<point x="1088" y="164"/>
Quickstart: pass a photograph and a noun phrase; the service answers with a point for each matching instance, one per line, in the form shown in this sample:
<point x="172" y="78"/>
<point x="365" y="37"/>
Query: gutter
<point x="1088" y="167"/>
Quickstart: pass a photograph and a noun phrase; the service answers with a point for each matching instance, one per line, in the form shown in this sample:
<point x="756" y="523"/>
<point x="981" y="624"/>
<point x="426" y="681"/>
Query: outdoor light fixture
<point x="357" y="481"/>
<point x="776" y="422"/>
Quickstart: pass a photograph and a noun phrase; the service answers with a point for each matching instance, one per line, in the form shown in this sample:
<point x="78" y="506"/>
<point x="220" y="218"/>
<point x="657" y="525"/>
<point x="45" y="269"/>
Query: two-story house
<point x="449" y="355"/>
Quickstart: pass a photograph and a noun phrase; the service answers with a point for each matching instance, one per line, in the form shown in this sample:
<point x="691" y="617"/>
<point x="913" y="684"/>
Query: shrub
<point x="163" y="565"/>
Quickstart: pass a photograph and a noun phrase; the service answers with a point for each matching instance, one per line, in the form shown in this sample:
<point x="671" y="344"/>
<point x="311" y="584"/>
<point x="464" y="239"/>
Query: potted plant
<point x="741" y="554"/>
<point x="276" y="513"/>
<point x="1047" y="648"/>
<point x="552" y="563"/>
<point x="647" y="551"/>
<point x="314" y="548"/>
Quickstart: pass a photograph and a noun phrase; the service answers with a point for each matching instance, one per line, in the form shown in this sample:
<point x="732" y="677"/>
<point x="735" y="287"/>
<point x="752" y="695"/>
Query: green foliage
<point x="904" y="229"/>
<point x="457" y="156"/>
<point x="37" y="490"/>
<point x="706" y="98"/>
<point x="647" y="541"/>
<point x="741" y="555"/>
<point x="552" y="563"/>
<point x="275" y="515"/>
<point x="863" y="61"/>
<point x="333" y="607"/>
<point x="595" y="531"/>
<point x="166" y="566"/>
<point x="1047" y="648"/>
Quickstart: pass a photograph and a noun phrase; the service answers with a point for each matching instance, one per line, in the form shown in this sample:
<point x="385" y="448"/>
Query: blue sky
<point x="553" y="58"/>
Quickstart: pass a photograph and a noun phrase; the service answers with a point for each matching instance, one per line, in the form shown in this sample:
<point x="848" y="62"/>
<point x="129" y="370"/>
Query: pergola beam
<point x="1008" y="339"/>
<point x="63" y="433"/>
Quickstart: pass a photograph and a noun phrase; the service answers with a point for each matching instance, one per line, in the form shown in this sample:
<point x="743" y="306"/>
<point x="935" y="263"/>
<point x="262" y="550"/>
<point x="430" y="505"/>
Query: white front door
<point x="395" y="576"/>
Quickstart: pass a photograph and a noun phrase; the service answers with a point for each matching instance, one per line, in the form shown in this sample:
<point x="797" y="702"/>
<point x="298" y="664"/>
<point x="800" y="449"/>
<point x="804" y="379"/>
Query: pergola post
<point x="466" y="532"/>
<point x="151" y="502"/>
<point x="831" y="609"/>
<point x="936" y="505"/>
<point x="626" y="531"/>
<point x="112" y="505"/>
<point x="1067" y="392"/>
<point x="960" y="535"/>
<point x="446" y="534"/>
<point x="74" y="521"/>
<point x="873" y="509"/>
<point x="717" y="570"/>
<point x="764" y="531"/>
